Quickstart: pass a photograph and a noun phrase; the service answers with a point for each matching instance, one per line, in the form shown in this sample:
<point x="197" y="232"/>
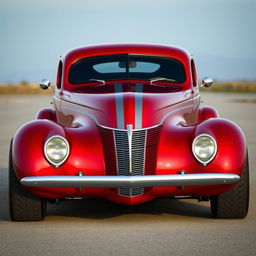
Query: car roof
<point x="70" y="57"/>
<point x="169" y="51"/>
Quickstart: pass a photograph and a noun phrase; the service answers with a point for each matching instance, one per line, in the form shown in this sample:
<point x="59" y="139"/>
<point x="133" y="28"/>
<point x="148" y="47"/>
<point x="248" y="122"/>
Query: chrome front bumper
<point x="131" y="181"/>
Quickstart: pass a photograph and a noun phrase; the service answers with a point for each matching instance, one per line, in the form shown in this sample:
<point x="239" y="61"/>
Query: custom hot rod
<point x="127" y="125"/>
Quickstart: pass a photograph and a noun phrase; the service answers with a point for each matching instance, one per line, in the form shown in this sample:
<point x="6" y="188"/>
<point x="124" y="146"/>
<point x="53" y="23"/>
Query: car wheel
<point x="23" y="205"/>
<point x="234" y="203"/>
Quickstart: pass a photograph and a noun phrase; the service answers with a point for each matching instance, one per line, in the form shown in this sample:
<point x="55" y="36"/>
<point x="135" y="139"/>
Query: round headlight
<point x="56" y="150"/>
<point x="204" y="148"/>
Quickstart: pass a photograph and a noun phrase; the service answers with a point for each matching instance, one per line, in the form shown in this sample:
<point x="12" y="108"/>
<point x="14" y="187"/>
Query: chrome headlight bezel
<point x="49" y="159"/>
<point x="204" y="163"/>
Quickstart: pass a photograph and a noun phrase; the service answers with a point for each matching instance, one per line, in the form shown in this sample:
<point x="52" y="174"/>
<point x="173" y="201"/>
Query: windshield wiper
<point x="97" y="80"/>
<point x="155" y="79"/>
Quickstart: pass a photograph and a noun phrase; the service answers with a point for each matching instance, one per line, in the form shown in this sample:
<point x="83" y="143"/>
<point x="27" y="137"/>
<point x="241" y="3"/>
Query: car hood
<point x="120" y="105"/>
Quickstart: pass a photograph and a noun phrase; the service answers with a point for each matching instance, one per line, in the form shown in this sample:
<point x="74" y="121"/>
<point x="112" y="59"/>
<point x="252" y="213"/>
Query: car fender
<point x="231" y="145"/>
<point x="28" y="146"/>
<point x="86" y="154"/>
<point x="175" y="148"/>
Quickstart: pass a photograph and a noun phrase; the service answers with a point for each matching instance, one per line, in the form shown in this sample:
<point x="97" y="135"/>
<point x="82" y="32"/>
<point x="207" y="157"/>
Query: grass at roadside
<point x="33" y="88"/>
<point x="23" y="89"/>
<point x="239" y="87"/>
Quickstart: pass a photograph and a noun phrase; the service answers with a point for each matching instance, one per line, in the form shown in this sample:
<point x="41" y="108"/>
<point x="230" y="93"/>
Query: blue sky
<point x="221" y="34"/>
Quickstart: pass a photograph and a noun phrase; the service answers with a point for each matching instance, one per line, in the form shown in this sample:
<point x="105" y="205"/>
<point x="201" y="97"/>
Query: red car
<point x="127" y="126"/>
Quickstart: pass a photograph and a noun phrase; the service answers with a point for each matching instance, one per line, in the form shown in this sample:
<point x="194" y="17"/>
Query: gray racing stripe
<point x="119" y="106"/>
<point x="138" y="106"/>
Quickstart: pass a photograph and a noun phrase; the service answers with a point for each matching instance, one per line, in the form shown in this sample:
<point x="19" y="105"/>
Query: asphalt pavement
<point x="99" y="227"/>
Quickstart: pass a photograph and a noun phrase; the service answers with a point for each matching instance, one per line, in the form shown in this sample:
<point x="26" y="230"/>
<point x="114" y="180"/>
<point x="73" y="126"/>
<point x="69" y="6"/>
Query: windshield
<point x="126" y="67"/>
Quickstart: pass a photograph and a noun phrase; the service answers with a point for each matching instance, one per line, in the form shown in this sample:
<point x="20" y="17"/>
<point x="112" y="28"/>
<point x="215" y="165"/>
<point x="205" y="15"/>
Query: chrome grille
<point x="136" y="191"/>
<point x="122" y="152"/>
<point x="130" y="157"/>
<point x="138" y="152"/>
<point x="130" y="152"/>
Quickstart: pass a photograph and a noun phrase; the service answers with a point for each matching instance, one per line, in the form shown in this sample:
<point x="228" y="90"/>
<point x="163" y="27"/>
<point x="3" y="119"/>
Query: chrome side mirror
<point x="207" y="82"/>
<point x="45" y="84"/>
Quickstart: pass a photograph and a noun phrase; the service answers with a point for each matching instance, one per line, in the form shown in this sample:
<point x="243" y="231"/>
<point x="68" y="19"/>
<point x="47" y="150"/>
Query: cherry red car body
<point x="127" y="125"/>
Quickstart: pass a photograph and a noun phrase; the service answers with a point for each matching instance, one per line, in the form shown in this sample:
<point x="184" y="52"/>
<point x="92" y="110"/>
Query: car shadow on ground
<point x="103" y="209"/>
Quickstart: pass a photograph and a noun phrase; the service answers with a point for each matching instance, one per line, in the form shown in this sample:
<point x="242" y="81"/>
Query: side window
<point x="59" y="75"/>
<point x="193" y="69"/>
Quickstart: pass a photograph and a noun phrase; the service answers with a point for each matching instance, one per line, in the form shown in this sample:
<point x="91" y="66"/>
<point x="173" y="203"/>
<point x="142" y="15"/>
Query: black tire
<point x="234" y="203"/>
<point x="23" y="205"/>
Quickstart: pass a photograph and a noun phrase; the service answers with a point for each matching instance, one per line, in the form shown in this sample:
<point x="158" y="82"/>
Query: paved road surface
<point x="97" y="227"/>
